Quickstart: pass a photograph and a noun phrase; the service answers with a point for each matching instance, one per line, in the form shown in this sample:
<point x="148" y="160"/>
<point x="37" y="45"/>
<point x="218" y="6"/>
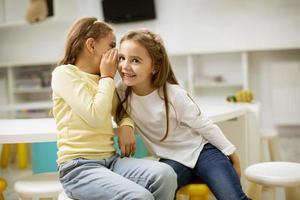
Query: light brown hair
<point x="84" y="28"/>
<point x="163" y="70"/>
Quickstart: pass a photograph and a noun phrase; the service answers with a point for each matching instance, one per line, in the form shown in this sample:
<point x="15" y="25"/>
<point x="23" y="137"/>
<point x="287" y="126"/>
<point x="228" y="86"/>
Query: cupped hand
<point x="109" y="63"/>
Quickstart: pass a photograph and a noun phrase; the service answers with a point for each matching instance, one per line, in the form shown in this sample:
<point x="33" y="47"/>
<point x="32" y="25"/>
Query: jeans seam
<point x="141" y="179"/>
<point x="184" y="170"/>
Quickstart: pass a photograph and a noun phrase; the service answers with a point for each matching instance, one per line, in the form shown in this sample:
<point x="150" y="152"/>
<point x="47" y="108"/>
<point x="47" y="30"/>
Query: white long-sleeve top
<point x="189" y="128"/>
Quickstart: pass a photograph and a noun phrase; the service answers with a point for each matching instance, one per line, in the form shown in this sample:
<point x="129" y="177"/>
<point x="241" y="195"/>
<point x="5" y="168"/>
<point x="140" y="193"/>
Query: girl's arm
<point x="125" y="132"/>
<point x="191" y="116"/>
<point x="93" y="109"/>
<point x="234" y="159"/>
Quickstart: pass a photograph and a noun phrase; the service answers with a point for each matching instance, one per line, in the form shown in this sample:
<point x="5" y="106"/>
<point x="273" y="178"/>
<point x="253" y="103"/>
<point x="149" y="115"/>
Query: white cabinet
<point x="27" y="90"/>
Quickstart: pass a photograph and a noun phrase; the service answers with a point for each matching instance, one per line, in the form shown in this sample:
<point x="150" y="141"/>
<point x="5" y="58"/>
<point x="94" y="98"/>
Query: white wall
<point x="214" y="25"/>
<point x="275" y="81"/>
<point x="189" y="26"/>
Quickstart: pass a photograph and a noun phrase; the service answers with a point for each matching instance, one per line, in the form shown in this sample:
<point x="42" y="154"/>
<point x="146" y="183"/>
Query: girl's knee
<point x="167" y="172"/>
<point x="142" y="194"/>
<point x="168" y="177"/>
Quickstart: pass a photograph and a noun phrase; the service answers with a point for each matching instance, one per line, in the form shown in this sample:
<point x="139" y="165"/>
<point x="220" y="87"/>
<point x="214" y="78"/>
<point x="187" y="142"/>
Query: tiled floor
<point x="289" y="147"/>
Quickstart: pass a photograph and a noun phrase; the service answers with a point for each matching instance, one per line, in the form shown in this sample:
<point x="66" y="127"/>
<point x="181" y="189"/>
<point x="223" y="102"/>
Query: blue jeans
<point x="118" y="178"/>
<point x="214" y="169"/>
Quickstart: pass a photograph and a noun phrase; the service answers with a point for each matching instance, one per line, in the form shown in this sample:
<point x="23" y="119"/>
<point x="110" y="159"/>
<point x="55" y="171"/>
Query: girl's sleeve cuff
<point x="229" y="150"/>
<point x="126" y="122"/>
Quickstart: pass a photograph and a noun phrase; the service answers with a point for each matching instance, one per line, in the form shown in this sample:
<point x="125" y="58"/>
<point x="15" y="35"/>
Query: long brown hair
<point x="84" y="28"/>
<point x="163" y="70"/>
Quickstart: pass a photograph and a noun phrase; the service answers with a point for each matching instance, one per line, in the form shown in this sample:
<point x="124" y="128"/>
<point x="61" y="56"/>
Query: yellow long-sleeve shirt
<point x="83" y="107"/>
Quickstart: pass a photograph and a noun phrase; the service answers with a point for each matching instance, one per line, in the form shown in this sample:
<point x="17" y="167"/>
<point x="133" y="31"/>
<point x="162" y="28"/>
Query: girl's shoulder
<point x="175" y="89"/>
<point x="70" y="71"/>
<point x="64" y="69"/>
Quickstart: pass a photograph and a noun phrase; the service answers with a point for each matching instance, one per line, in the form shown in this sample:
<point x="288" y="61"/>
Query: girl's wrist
<point x="233" y="157"/>
<point x="106" y="76"/>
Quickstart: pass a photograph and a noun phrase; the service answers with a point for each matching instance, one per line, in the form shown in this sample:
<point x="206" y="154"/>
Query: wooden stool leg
<point x="22" y="155"/>
<point x="6" y="152"/>
<point x="254" y="191"/>
<point x="292" y="193"/>
<point x="274" y="149"/>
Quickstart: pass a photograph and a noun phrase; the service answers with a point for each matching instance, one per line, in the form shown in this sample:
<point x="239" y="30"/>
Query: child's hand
<point x="127" y="141"/>
<point x="236" y="163"/>
<point x="109" y="63"/>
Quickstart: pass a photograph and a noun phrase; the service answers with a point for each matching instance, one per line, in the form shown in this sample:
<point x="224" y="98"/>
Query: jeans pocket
<point x="66" y="167"/>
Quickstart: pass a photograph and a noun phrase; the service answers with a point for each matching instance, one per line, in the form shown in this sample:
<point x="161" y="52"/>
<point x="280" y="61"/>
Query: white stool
<point x="274" y="174"/>
<point x="63" y="196"/>
<point x="40" y="186"/>
<point x="270" y="137"/>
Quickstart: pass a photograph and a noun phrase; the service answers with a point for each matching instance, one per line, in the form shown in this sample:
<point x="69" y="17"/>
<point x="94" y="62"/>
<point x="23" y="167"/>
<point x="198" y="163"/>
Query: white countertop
<point x="44" y="129"/>
<point x="27" y="130"/>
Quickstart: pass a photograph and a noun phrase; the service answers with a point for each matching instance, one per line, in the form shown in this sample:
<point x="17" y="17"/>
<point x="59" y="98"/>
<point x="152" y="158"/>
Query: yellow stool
<point x="195" y="191"/>
<point x="22" y="152"/>
<point x="3" y="186"/>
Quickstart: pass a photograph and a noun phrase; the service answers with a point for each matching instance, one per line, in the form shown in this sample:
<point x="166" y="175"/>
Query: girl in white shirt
<point x="172" y="126"/>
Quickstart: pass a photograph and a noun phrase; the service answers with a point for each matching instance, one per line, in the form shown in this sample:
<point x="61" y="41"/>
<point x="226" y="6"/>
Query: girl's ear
<point x="154" y="70"/>
<point x="90" y="45"/>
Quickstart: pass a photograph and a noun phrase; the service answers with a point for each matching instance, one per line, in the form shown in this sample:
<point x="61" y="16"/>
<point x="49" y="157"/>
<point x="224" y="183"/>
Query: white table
<point x="237" y="122"/>
<point x="27" y="130"/>
<point x="44" y="129"/>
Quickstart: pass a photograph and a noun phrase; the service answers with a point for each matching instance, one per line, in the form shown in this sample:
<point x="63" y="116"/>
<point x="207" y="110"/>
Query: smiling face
<point x="135" y="67"/>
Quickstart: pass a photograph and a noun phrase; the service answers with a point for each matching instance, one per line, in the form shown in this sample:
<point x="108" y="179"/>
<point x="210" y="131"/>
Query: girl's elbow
<point x="99" y="121"/>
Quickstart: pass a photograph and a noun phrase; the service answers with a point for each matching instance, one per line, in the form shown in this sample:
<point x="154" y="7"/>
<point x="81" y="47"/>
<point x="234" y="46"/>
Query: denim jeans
<point x="118" y="178"/>
<point x="214" y="169"/>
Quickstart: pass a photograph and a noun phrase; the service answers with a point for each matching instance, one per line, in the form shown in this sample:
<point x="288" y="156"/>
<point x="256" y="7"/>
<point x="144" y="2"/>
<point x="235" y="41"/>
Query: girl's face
<point x="135" y="66"/>
<point x="102" y="45"/>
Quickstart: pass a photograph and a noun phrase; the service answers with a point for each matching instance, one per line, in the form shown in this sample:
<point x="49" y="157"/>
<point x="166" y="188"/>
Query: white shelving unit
<point x="212" y="75"/>
<point x="272" y="75"/>
<point x="28" y="90"/>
